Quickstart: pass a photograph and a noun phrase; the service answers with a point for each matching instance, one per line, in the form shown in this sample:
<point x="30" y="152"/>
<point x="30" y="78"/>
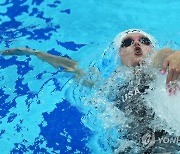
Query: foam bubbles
<point x="148" y="107"/>
<point x="165" y="105"/>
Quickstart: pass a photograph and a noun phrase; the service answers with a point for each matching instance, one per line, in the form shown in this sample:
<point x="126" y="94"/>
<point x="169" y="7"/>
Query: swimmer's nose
<point x="136" y="43"/>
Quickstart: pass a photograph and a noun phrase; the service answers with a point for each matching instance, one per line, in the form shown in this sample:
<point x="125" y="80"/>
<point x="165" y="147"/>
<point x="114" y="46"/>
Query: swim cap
<point x="118" y="39"/>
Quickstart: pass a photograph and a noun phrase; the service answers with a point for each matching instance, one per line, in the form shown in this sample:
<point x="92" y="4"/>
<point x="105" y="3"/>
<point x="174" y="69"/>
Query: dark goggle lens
<point x="145" y="40"/>
<point x="127" y="42"/>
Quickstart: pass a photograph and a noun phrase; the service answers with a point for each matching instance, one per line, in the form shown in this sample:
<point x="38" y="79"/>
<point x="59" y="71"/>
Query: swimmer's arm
<point x="167" y="59"/>
<point x="56" y="61"/>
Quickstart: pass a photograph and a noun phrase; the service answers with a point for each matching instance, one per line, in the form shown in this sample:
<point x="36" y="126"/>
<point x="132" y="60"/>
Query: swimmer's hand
<point x="17" y="51"/>
<point x="172" y="64"/>
<point x="167" y="59"/>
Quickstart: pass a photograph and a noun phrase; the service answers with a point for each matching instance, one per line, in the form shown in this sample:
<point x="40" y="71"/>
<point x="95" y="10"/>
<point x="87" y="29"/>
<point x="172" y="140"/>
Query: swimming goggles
<point x="129" y="41"/>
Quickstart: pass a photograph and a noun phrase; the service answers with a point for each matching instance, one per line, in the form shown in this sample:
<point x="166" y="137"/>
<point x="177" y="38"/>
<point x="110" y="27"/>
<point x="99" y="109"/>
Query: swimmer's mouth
<point x="138" y="51"/>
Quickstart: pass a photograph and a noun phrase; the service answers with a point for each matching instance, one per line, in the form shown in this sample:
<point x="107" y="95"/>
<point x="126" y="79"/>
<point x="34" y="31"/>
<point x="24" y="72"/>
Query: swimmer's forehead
<point x="130" y="33"/>
<point x="133" y="35"/>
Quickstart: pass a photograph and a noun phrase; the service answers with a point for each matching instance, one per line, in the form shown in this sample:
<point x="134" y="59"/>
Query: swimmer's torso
<point x="130" y="99"/>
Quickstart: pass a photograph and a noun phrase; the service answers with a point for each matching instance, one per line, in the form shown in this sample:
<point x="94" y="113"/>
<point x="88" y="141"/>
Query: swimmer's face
<point x="135" y="47"/>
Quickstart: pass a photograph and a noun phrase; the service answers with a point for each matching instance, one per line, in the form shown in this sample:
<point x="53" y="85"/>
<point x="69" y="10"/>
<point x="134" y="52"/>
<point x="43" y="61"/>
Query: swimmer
<point x="132" y="45"/>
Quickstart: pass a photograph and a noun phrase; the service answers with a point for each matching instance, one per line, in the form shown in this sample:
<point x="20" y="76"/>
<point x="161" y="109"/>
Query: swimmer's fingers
<point x="17" y="51"/>
<point x="164" y="69"/>
<point x="7" y="52"/>
<point x="165" y="66"/>
<point x="173" y="72"/>
<point x="173" y="87"/>
<point x="172" y="63"/>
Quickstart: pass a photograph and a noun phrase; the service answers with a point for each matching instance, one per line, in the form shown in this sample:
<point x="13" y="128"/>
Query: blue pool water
<point x="40" y="107"/>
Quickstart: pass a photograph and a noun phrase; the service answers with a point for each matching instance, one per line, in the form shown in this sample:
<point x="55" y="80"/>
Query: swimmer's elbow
<point x="88" y="83"/>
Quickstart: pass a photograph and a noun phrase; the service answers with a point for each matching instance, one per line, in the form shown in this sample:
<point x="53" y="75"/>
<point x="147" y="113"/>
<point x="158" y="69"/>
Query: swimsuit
<point x="130" y="99"/>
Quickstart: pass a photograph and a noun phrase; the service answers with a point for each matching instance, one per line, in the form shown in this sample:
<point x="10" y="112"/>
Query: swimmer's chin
<point x="136" y="62"/>
<point x="133" y="65"/>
